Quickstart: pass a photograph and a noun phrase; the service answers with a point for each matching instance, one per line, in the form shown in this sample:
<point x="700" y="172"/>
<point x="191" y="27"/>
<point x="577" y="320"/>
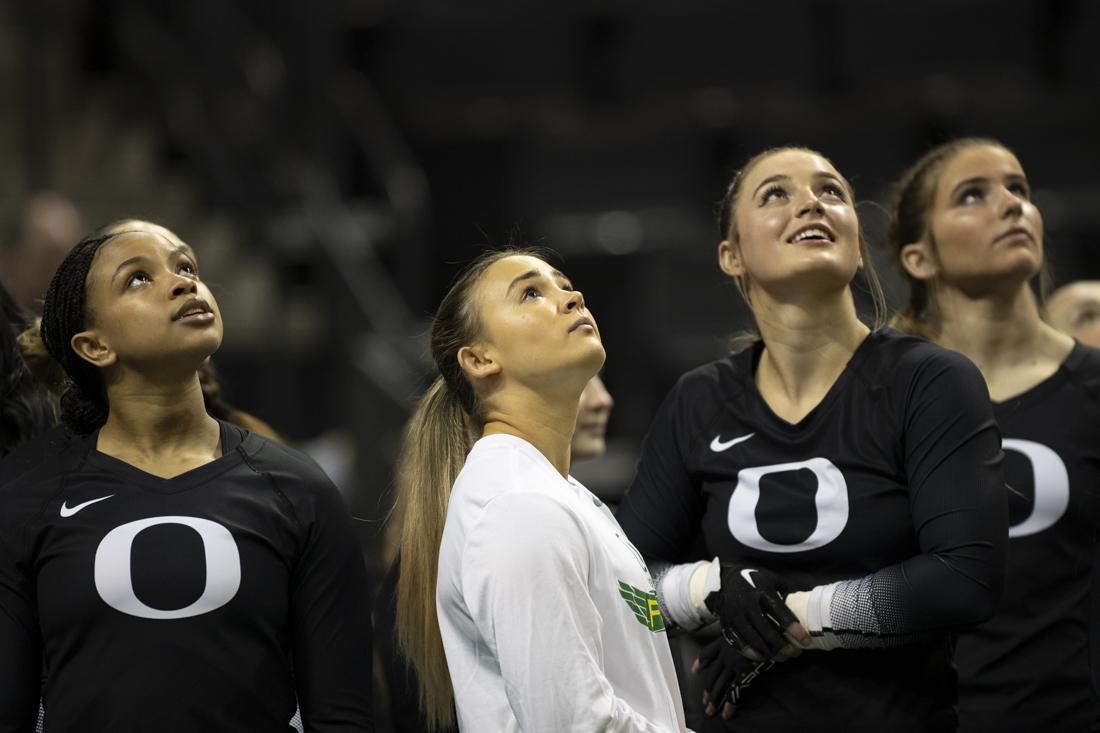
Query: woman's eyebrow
<point x="531" y="274"/>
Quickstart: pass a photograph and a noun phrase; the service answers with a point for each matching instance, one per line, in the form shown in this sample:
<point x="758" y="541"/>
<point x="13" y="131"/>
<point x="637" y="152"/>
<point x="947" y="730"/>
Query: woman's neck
<point x="158" y="421"/>
<point x="991" y="329"/>
<point x="806" y="347"/>
<point x="544" y="420"/>
<point x="1003" y="335"/>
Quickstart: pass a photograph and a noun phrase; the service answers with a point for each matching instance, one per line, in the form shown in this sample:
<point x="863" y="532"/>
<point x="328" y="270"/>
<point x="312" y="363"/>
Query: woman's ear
<point x="89" y="347"/>
<point x="918" y="260"/>
<point x="478" y="362"/>
<point x="729" y="259"/>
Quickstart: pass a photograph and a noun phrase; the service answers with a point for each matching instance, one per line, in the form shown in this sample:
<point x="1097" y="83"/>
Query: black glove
<point x="726" y="675"/>
<point x="749" y="605"/>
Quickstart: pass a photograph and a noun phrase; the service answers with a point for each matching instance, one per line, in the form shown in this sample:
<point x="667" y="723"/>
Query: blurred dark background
<point x="333" y="162"/>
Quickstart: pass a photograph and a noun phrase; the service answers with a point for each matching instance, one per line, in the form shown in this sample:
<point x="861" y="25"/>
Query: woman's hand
<point x="754" y="619"/>
<point x="727" y="674"/>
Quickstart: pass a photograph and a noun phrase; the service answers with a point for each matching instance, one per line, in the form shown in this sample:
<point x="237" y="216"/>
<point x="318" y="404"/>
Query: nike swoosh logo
<point x="746" y="575"/>
<point x="67" y="511"/>
<point x="717" y="445"/>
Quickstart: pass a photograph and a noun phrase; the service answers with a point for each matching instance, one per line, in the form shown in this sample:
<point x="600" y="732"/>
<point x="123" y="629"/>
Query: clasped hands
<point x="758" y="630"/>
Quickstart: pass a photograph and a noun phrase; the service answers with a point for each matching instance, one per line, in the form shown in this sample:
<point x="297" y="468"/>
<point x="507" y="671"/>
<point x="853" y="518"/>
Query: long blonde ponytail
<point x="437" y="438"/>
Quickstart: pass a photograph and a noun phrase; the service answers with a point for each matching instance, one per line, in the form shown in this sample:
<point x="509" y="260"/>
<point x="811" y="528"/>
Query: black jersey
<point x="216" y="600"/>
<point x="1029" y="667"/>
<point x="890" y="489"/>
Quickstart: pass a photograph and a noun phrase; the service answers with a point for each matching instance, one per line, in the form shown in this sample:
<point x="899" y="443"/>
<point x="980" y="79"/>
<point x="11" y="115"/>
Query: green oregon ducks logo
<point x="644" y="605"/>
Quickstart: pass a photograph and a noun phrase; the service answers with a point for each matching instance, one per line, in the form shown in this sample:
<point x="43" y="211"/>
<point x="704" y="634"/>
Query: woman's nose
<point x="811" y="205"/>
<point x="574" y="300"/>
<point x="183" y="286"/>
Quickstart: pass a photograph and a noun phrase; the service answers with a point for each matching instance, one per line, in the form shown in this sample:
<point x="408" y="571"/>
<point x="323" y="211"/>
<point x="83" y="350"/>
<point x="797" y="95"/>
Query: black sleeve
<point x="952" y="453"/>
<point x="20" y="647"/>
<point x="330" y="618"/>
<point x="663" y="508"/>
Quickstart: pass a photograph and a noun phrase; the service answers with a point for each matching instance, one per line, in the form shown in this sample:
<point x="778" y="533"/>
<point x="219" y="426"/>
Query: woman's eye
<point x="1086" y="318"/>
<point x="833" y="190"/>
<point x="138" y="278"/>
<point x="188" y="268"/>
<point x="771" y="193"/>
<point x="530" y="292"/>
<point x="1019" y="189"/>
<point x="970" y="196"/>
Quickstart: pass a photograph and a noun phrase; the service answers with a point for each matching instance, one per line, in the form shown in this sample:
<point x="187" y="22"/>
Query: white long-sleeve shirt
<point x="548" y="614"/>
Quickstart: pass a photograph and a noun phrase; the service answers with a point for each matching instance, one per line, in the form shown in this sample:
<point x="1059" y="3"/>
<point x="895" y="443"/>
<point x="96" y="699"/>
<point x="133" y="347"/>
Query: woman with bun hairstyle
<point x="519" y="599"/>
<point x="166" y="570"/>
<point x="845" y="481"/>
<point x="970" y="241"/>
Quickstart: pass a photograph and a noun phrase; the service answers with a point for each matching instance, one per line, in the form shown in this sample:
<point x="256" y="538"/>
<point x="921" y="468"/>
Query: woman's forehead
<point x="514" y="268"/>
<point x="980" y="161"/>
<point x="138" y="242"/>
<point x="790" y="163"/>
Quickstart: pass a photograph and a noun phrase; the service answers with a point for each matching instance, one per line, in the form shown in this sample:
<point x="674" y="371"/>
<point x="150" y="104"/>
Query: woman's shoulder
<point x="293" y="471"/>
<point x="1083" y="368"/>
<point x="709" y="386"/>
<point x="1083" y="363"/>
<point x="504" y="470"/>
<point x="50" y="454"/>
<point x="33" y="473"/>
<point x="897" y="356"/>
<point x="499" y="464"/>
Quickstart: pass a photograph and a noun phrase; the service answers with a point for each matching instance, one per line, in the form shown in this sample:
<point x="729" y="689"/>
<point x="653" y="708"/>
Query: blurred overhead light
<point x="618" y="232"/>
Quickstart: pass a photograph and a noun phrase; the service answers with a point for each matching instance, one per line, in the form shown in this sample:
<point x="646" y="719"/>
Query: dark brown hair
<point x="910" y="211"/>
<point x="727" y="230"/>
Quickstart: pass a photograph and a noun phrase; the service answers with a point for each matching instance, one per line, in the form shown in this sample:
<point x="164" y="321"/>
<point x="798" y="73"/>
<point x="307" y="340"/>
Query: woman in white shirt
<point x="519" y="594"/>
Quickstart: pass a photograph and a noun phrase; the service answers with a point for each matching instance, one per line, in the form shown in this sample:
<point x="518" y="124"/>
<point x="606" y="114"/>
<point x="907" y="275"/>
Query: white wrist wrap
<point x="683" y="594"/>
<point x="812" y="610"/>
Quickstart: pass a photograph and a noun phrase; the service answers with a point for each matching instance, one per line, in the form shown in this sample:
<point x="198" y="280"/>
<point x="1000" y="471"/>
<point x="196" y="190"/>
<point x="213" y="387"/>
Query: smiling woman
<point x="520" y="604"/>
<point x="845" y="480"/>
<point x="181" y="561"/>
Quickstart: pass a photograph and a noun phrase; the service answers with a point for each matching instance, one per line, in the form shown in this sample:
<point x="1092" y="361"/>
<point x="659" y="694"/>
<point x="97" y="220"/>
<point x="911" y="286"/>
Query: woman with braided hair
<point x="166" y="570"/>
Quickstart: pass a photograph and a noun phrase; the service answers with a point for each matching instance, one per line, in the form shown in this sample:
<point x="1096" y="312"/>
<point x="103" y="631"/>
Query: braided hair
<point x="64" y="313"/>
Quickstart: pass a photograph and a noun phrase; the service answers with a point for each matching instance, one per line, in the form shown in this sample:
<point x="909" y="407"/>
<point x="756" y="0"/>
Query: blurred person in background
<point x="1075" y="309"/>
<point x="520" y="604"/>
<point x="25" y="406"/>
<point x="846" y="482"/>
<point x="253" y="594"/>
<point x="42" y="233"/>
<point x="970" y="242"/>
<point x="401" y="685"/>
<point x="590" y="432"/>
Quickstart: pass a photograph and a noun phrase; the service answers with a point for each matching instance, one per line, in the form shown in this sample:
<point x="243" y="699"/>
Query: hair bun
<point x="81" y="413"/>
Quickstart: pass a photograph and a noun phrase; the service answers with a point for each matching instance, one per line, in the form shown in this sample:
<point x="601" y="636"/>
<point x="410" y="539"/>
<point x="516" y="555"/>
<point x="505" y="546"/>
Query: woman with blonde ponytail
<point x="519" y="598"/>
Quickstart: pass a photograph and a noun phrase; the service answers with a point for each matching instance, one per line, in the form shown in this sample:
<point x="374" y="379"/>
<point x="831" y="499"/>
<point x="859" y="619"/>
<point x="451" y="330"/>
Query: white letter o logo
<point x="1051" y="487"/>
<point x="115" y="584"/>
<point x="830" y="499"/>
